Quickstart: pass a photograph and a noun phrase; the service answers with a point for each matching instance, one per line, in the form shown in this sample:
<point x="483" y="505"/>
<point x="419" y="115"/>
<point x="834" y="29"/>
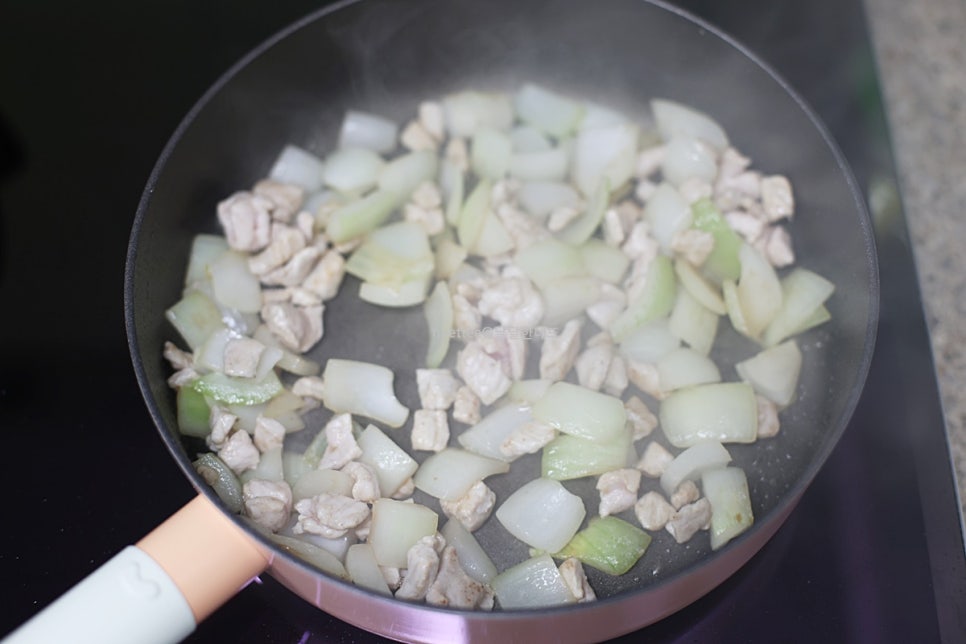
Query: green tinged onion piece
<point x="608" y="544"/>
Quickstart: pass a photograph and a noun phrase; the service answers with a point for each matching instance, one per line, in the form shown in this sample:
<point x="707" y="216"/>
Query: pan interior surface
<point x="385" y="57"/>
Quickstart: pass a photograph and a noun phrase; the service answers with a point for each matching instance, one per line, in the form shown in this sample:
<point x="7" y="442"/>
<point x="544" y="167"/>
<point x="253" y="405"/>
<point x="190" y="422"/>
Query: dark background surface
<point x="89" y="94"/>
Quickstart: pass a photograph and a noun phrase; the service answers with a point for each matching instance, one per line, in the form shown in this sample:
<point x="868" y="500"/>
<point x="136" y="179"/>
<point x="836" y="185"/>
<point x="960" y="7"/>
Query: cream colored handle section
<point x="155" y="592"/>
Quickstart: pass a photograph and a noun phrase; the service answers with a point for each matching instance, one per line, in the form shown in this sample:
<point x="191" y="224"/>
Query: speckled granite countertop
<point x="922" y="63"/>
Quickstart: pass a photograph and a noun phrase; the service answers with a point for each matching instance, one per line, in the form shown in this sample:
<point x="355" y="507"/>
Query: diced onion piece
<point x="774" y="372"/>
<point x="237" y="391"/>
<point x="247" y="415"/>
<point x="604" y="153"/>
<point x="533" y="583"/>
<point x="448" y="474"/>
<point x="193" y="413"/>
<point x="316" y="482"/>
<point x="493" y="238"/>
<point x="685" y="367"/>
<point x="363" y="569"/>
<point x="674" y="119"/>
<point x="609" y="544"/>
<point x="269" y="467"/>
<point x="803" y="293"/>
<point x="294" y="467"/>
<point x="473" y="558"/>
<point x="724" y="412"/>
<point x="402" y="175"/>
<point x="393" y="254"/>
<point x="580" y="411"/>
<point x="408" y="293"/>
<point x="542" y="514"/>
<point x="687" y="158"/>
<point x="649" y="342"/>
<point x="733" y="304"/>
<point x="299" y="167"/>
<point x="438" y="311"/>
<point x="485" y="437"/>
<point x="727" y="491"/>
<point x="539" y="198"/>
<point x="452" y="183"/>
<point x="655" y="300"/>
<point x="473" y="214"/>
<point x="205" y="249"/>
<point x="291" y="362"/>
<point x="527" y="139"/>
<point x="547" y="111"/>
<point x="603" y="261"/>
<point x="352" y="169"/>
<point x="699" y="288"/>
<point x="570" y="457"/>
<point x="269" y="357"/>
<point x="566" y="298"/>
<point x="233" y="284"/>
<point x="528" y="391"/>
<point x="667" y="213"/>
<point x="396" y="527"/>
<point x="466" y="112"/>
<point x="364" y="389"/>
<point x="693" y="323"/>
<point x="210" y="356"/>
<point x="549" y="259"/>
<point x="449" y="255"/>
<point x="358" y="217"/>
<point x="545" y="165"/>
<point x="490" y="153"/>
<point x="690" y="464"/>
<point x="759" y="290"/>
<point x="221" y="479"/>
<point x="313" y="554"/>
<point x="392" y="464"/>
<point x="820" y="316"/>
<point x="315" y="450"/>
<point x="596" y="115"/>
<point x="361" y="129"/>
<point x="583" y="227"/>
<point x="723" y="263"/>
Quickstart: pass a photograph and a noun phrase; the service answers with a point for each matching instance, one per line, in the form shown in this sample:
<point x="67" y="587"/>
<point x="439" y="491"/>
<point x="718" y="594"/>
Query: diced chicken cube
<point x="513" y="302"/>
<point x="437" y="388"/>
<point x="686" y="522"/>
<point x="618" y="490"/>
<point x="645" y="190"/>
<point x="466" y="406"/>
<point x="686" y="493"/>
<point x="749" y="225"/>
<point x="305" y="224"/>
<point x="303" y="297"/>
<point x="239" y="453"/>
<point x="776" y="197"/>
<point x="458" y="154"/>
<point x="329" y="515"/>
<point x="422" y="564"/>
<point x="649" y="161"/>
<point x="268" y="503"/>
<point x="529" y="438"/>
<point x="341" y="446"/>
<point x="473" y="508"/>
<point x="522" y="228"/>
<point x="653" y="511"/>
<point x="482" y="373"/>
<point x="654" y="460"/>
<point x="559" y="351"/>
<point x="776" y="245"/>
<point x="768" y="423"/>
<point x="560" y="217"/>
<point x="613" y="228"/>
<point x="453" y="587"/>
<point x="640" y="418"/>
<point x="177" y="358"/>
<point x="693" y="245"/>
<point x="297" y="328"/>
<point x="466" y="318"/>
<point x="286" y="198"/>
<point x="645" y="377"/>
<point x="504" y="191"/>
<point x="325" y="279"/>
<point x="430" y="430"/>
<point x="432" y="119"/>
<point x="247" y="221"/>
<point x="221" y="422"/>
<point x="405" y="490"/>
<point x="616" y="381"/>
<point x="608" y="307"/>
<point x="593" y="364"/>
<point x="295" y="270"/>
<point x="242" y="356"/>
<point x="269" y="434"/>
<point x="572" y="573"/>
<point x="509" y="346"/>
<point x="286" y="242"/>
<point x="365" y="481"/>
<point x="392" y="575"/>
<point x="432" y="220"/>
<point x="640" y="243"/>
<point x="181" y="378"/>
<point x="309" y="387"/>
<point x="415" y="137"/>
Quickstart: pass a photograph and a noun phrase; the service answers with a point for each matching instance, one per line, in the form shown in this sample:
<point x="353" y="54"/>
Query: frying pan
<point x="385" y="56"/>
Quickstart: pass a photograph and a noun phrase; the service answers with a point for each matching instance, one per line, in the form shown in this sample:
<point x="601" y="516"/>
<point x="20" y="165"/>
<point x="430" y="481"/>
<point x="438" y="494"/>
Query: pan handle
<point x="157" y="591"/>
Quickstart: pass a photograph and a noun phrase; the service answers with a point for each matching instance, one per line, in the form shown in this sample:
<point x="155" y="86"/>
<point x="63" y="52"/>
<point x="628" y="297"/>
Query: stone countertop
<point x="922" y="65"/>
